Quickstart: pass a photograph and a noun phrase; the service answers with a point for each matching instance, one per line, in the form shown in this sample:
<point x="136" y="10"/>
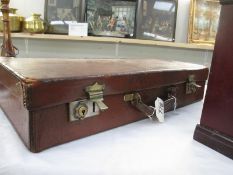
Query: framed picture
<point x="157" y="19"/>
<point x="52" y="3"/>
<point x="204" y="19"/>
<point x="111" y="17"/>
<point x="60" y="13"/>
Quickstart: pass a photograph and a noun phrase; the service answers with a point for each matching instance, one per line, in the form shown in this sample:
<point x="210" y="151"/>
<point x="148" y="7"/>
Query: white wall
<point x="27" y="7"/>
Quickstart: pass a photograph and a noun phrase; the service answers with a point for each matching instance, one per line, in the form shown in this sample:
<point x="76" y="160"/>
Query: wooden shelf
<point x="113" y="40"/>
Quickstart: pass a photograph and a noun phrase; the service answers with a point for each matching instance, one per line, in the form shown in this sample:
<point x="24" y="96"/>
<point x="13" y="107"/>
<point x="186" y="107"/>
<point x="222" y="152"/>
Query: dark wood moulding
<point x="216" y="126"/>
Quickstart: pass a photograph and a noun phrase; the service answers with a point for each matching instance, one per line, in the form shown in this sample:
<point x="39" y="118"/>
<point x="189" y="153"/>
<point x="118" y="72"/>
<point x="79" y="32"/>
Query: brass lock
<point x="80" y="112"/>
<point x="89" y="107"/>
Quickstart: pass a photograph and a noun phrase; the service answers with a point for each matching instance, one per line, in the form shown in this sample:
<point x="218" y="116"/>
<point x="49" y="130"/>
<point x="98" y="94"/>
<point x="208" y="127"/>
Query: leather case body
<point x="36" y="93"/>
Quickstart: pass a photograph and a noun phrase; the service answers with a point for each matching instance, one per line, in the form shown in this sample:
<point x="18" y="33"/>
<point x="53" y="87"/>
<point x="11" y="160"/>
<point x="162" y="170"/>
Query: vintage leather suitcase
<point x="216" y="127"/>
<point x="53" y="101"/>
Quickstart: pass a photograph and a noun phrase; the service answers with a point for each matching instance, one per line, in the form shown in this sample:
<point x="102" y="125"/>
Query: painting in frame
<point x="204" y="21"/>
<point x="157" y="20"/>
<point x="60" y="13"/>
<point x="111" y="18"/>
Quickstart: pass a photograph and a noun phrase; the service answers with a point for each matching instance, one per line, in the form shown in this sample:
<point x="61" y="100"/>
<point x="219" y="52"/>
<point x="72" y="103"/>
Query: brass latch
<point x="95" y="93"/>
<point x="191" y="85"/>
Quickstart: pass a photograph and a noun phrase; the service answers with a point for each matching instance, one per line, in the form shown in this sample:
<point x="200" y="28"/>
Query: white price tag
<point x="159" y="106"/>
<point x="79" y="29"/>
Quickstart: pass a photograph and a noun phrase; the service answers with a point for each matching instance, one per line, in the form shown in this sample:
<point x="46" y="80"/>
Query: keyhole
<point x="83" y="112"/>
<point x="93" y="106"/>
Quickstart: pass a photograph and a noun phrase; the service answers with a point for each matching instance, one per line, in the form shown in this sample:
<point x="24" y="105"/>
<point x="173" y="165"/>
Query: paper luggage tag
<point x="159" y="107"/>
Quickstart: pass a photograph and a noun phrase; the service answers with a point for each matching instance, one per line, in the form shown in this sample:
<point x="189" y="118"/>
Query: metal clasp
<point x="191" y="85"/>
<point x="90" y="107"/>
<point x="136" y="101"/>
<point x="95" y="93"/>
<point x="154" y="113"/>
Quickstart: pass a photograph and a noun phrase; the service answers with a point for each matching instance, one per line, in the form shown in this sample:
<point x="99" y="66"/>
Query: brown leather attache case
<point x="216" y="127"/>
<point x="53" y="101"/>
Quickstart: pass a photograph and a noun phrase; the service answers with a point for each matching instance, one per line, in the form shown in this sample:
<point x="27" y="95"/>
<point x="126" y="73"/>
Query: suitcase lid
<point x="49" y="82"/>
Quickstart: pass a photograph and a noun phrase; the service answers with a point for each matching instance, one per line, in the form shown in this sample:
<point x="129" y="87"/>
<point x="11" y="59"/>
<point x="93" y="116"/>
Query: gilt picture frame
<point x="157" y="20"/>
<point x="203" y="22"/>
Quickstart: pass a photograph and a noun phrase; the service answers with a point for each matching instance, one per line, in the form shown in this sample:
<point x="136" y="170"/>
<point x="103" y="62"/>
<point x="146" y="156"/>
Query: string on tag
<point x="161" y="107"/>
<point x="175" y="103"/>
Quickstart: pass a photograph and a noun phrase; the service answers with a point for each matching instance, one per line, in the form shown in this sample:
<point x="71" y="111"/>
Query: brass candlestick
<point x="8" y="50"/>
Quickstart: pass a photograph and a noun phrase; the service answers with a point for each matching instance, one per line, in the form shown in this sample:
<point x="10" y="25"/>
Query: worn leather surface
<point x="218" y="111"/>
<point x="54" y="82"/>
<point x="16" y="112"/>
<point x="58" y="69"/>
<point x="47" y="87"/>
